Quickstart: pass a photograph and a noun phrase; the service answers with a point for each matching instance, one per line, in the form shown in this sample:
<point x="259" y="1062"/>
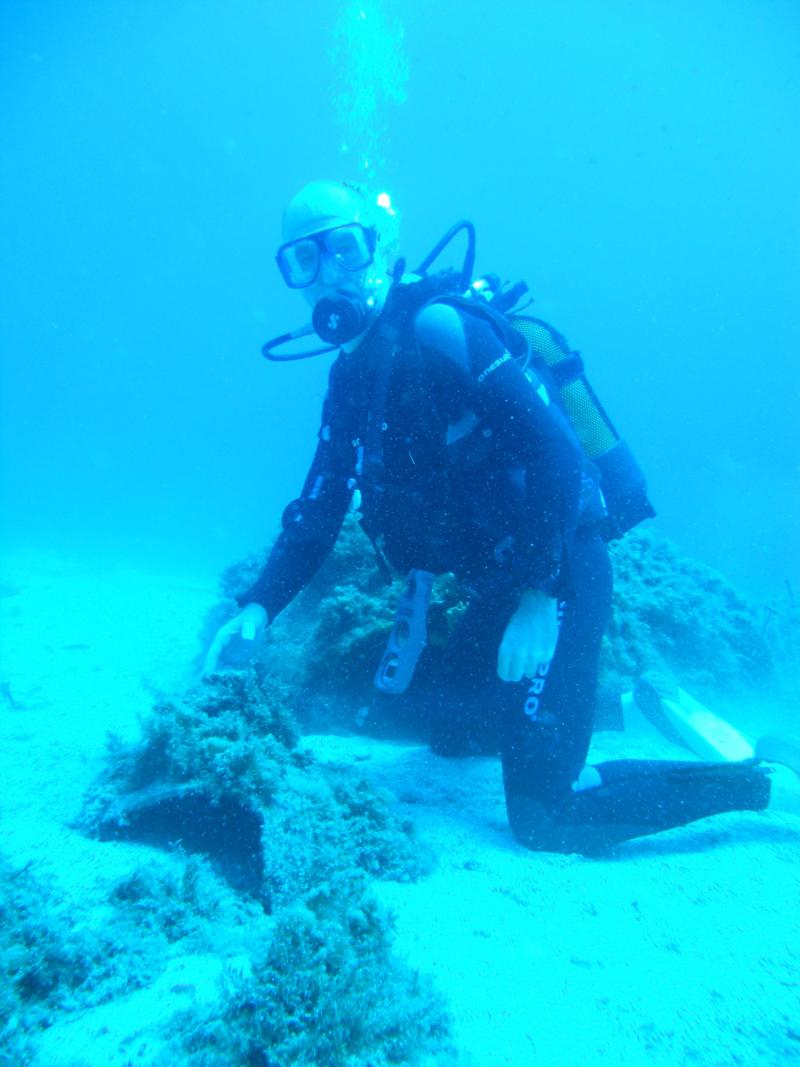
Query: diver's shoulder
<point x="438" y="325"/>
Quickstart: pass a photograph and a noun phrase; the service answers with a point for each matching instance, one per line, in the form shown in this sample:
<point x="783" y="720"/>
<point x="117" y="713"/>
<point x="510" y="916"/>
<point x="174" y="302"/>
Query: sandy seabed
<point x="681" y="948"/>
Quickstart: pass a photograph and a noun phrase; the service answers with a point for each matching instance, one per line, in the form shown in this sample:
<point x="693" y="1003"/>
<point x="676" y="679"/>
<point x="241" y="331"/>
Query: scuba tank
<point x="622" y="480"/>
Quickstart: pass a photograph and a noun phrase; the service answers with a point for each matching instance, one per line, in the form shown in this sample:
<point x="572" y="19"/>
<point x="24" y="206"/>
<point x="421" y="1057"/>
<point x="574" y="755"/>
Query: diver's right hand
<point x="234" y="643"/>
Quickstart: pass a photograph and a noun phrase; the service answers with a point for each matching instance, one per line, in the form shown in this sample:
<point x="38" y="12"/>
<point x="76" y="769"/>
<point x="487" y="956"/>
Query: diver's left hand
<point x="235" y="642"/>
<point x="530" y="637"/>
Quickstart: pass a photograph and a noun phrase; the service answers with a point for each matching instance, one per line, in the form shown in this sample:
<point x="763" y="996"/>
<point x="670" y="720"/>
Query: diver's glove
<point x="235" y="642"/>
<point x="530" y="638"/>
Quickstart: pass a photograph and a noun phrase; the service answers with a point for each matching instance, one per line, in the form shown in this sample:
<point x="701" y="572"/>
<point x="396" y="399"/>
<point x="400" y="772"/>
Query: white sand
<point x="683" y="948"/>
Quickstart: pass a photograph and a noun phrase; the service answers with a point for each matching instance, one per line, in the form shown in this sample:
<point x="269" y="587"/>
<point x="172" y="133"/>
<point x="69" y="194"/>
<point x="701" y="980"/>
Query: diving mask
<point x="350" y="247"/>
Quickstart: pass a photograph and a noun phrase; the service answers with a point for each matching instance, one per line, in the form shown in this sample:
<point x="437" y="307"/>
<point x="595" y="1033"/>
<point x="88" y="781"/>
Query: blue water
<point x="637" y="163"/>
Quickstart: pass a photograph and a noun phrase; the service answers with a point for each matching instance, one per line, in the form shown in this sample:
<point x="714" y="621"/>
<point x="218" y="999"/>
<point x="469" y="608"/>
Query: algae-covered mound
<point x="221" y="769"/>
<point x="229" y="733"/>
<point x="677" y="615"/>
<point x="42" y="962"/>
<point x="324" y="989"/>
<point x="54" y="960"/>
<point x="316" y="978"/>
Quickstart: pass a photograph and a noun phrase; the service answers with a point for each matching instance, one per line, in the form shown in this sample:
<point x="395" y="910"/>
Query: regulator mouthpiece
<point x="339" y="319"/>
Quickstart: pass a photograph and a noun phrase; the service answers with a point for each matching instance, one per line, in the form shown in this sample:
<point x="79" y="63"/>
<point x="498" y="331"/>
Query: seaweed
<point x="221" y="771"/>
<point x="50" y="964"/>
<point x="229" y="734"/>
<point x="318" y="977"/>
<point x="678" y="616"/>
<point x="325" y="989"/>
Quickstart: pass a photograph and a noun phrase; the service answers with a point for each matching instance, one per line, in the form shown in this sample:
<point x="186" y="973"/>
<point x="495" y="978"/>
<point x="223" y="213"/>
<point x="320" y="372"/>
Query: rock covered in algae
<point x="47" y="966"/>
<point x="221" y="770"/>
<point x="317" y="974"/>
<point x="325" y="989"/>
<point x="311" y="971"/>
<point x="675" y="615"/>
<point x="62" y="956"/>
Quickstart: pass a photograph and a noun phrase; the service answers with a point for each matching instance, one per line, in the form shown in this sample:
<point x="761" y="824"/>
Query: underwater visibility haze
<point x="265" y="866"/>
<point x="636" y="164"/>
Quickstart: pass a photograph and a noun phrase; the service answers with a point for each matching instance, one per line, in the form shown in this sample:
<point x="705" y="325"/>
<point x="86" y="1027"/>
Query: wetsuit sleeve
<point x="311" y="524"/>
<point x="532" y="437"/>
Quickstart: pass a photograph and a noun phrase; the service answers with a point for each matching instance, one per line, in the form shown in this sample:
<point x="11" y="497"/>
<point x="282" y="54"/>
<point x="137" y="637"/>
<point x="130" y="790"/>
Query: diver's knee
<point x="530" y="822"/>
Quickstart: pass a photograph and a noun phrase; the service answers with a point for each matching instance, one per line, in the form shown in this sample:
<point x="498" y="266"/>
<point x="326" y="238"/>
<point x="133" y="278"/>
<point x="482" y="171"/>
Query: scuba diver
<point x="465" y="463"/>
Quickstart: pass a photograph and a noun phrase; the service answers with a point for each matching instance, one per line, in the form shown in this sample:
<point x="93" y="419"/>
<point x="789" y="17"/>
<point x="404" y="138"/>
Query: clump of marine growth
<point x="60" y="957"/>
<point x="675" y="615"/>
<point x="322" y="988"/>
<point x="219" y="774"/>
<point x="47" y="966"/>
<point x="221" y="769"/>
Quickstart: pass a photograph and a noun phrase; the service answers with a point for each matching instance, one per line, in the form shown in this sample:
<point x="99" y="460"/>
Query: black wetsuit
<point x="465" y="466"/>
